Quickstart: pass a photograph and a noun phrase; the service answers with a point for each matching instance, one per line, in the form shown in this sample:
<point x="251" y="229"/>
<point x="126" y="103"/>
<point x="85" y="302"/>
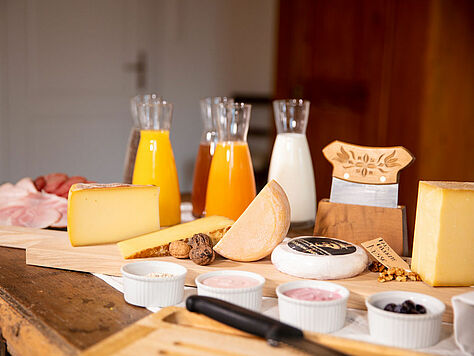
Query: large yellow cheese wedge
<point x="106" y="213"/>
<point x="260" y="228"/>
<point x="443" y="245"/>
<point x="156" y="243"/>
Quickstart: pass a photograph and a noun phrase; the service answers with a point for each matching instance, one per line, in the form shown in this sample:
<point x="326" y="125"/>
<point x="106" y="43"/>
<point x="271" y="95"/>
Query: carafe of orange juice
<point x="205" y="152"/>
<point x="155" y="162"/>
<point x="134" y="136"/>
<point x="231" y="183"/>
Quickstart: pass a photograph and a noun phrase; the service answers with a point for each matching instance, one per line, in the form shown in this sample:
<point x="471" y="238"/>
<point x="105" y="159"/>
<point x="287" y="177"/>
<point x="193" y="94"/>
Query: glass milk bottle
<point x="291" y="164"/>
<point x="155" y="163"/>
<point x="134" y="136"/>
<point x="206" y="150"/>
<point x="231" y="184"/>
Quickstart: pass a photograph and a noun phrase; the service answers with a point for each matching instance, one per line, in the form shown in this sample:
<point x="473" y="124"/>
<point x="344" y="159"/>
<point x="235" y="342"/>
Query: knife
<point x="366" y="175"/>
<point x="274" y="331"/>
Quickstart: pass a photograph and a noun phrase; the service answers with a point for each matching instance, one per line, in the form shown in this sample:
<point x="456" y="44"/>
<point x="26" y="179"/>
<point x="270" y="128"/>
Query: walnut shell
<point x="202" y="255"/>
<point x="179" y="249"/>
<point x="200" y="239"/>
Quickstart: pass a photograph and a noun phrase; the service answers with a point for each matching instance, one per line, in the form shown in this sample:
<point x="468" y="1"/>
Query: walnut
<point x="202" y="255"/>
<point x="179" y="249"/>
<point x="397" y="274"/>
<point x="200" y="239"/>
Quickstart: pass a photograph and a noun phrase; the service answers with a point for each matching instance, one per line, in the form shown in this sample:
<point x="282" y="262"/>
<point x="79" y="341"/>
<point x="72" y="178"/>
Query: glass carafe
<point x="231" y="184"/>
<point x="205" y="152"/>
<point x="291" y="164"/>
<point x="155" y="162"/>
<point x="134" y="136"/>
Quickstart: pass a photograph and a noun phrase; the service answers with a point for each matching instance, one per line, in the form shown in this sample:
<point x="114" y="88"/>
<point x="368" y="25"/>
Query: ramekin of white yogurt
<point x="313" y="305"/>
<point x="237" y="287"/>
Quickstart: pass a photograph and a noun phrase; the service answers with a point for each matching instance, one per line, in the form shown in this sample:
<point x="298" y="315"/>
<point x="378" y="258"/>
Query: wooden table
<point x="47" y="311"/>
<point x="53" y="312"/>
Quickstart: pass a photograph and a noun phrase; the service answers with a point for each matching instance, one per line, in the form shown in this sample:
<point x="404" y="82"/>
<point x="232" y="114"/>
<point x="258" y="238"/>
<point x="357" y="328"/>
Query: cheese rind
<point x="156" y="243"/>
<point x="100" y="214"/>
<point x="260" y="228"/>
<point x="443" y="244"/>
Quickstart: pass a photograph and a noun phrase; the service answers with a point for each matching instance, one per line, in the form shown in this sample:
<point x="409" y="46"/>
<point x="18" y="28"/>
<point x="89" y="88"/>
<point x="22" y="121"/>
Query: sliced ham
<point x="23" y="205"/>
<point x="35" y="216"/>
<point x="26" y="184"/>
<point x="6" y="213"/>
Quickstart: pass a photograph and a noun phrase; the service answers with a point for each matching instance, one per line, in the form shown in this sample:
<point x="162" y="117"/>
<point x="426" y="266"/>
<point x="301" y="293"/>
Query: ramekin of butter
<point x="153" y="283"/>
<point x="404" y="330"/>
<point x="237" y="287"/>
<point x="313" y="305"/>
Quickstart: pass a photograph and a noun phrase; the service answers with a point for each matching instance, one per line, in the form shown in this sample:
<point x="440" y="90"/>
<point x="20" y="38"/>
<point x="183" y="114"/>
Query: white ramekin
<point x="404" y="330"/>
<point x="250" y="298"/>
<point x="153" y="291"/>
<point x="316" y="316"/>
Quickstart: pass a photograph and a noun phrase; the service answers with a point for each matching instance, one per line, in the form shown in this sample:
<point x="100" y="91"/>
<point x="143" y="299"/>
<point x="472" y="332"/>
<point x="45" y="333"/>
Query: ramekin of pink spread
<point x="312" y="305"/>
<point x="230" y="281"/>
<point x="312" y="294"/>
<point x="238" y="287"/>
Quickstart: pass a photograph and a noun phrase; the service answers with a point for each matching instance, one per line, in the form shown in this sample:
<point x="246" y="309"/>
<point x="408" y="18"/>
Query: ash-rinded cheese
<point x="106" y="213"/>
<point x="443" y="245"/>
<point x="319" y="258"/>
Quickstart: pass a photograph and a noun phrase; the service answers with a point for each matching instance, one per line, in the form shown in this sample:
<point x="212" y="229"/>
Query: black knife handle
<point x="241" y="318"/>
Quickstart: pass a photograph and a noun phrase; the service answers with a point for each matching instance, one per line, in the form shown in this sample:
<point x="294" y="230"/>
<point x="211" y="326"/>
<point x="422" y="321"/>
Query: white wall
<point x="213" y="47"/>
<point x="3" y="88"/>
<point x="196" y="48"/>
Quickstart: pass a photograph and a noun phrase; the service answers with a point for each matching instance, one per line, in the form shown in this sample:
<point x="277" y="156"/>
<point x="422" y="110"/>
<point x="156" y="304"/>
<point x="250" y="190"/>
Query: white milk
<point x="292" y="168"/>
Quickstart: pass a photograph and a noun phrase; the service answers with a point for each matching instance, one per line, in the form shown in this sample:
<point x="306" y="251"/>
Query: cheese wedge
<point x="260" y="228"/>
<point x="443" y="245"/>
<point x="106" y="213"/>
<point x="156" y="243"/>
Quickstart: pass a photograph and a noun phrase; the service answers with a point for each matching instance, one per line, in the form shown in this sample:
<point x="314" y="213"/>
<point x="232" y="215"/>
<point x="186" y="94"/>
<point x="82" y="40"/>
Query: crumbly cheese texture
<point x="443" y="245"/>
<point x="260" y="228"/>
<point x="156" y="244"/>
<point x="108" y="213"/>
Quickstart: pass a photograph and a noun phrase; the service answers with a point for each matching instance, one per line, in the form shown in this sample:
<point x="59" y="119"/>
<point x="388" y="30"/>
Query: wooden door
<point x="376" y="74"/>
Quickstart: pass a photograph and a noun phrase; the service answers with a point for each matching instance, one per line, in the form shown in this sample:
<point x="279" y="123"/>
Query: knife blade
<point x="274" y="331"/>
<point x="366" y="175"/>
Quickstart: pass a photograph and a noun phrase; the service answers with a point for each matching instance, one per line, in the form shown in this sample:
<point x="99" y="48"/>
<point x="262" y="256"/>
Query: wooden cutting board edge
<point x="188" y="323"/>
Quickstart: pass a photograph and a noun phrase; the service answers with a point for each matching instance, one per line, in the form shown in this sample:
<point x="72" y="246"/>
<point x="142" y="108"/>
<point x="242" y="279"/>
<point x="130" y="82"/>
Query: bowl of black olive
<point x="404" y="319"/>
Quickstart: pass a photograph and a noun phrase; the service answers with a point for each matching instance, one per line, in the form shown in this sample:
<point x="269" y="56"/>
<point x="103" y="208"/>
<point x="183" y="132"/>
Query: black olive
<point x="390" y="307"/>
<point x="420" y="309"/>
<point x="404" y="309"/>
<point x="409" y="304"/>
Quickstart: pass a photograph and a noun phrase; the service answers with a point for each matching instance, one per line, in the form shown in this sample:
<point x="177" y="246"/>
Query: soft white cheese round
<point x="319" y="258"/>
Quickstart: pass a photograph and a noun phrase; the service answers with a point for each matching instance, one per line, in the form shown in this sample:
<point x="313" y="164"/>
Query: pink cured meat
<point x="53" y="181"/>
<point x="63" y="189"/>
<point x="7" y="212"/>
<point x="23" y="205"/>
<point x="40" y="183"/>
<point x="35" y="216"/>
<point x="26" y="184"/>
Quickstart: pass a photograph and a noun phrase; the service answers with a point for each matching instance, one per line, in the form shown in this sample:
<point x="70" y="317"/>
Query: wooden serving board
<point x="21" y="237"/>
<point x="175" y="331"/>
<point x="52" y="249"/>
